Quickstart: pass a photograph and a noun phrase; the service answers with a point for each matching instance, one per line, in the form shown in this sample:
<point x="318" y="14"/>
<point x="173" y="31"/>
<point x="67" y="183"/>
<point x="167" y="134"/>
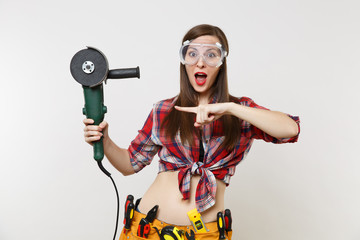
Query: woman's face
<point x="201" y="75"/>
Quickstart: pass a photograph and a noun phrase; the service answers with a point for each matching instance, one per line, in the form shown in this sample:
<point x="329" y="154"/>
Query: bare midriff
<point x="173" y="209"/>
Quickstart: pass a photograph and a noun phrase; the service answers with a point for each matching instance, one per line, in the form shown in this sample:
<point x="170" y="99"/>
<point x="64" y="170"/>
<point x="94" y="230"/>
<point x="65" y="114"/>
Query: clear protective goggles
<point x="212" y="54"/>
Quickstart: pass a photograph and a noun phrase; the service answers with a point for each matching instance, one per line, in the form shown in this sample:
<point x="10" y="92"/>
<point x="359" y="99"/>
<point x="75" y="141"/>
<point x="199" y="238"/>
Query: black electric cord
<point x="117" y="195"/>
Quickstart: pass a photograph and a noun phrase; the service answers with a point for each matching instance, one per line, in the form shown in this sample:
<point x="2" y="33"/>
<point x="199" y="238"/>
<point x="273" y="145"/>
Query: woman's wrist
<point x="106" y="142"/>
<point x="231" y="108"/>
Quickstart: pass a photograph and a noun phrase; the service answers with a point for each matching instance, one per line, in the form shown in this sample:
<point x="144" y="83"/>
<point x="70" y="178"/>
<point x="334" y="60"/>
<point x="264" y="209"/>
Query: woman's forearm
<point x="274" y="123"/>
<point x="118" y="157"/>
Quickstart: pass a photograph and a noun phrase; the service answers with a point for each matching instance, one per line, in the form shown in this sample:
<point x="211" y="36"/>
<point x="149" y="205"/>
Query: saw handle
<point x="94" y="108"/>
<point x="124" y="73"/>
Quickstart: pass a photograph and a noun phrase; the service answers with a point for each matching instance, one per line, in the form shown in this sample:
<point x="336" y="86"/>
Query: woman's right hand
<point x="93" y="133"/>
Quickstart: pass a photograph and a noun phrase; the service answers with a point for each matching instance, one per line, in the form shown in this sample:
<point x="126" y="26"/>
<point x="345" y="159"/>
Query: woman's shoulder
<point x="165" y="104"/>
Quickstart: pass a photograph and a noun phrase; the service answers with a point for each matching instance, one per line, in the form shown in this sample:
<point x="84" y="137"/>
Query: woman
<point x="200" y="136"/>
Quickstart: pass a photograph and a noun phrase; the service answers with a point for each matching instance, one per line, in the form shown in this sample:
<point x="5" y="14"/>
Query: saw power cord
<point x="117" y="195"/>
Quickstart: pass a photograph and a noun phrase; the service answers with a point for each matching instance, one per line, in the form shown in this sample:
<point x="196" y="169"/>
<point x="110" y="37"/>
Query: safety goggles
<point x="212" y="54"/>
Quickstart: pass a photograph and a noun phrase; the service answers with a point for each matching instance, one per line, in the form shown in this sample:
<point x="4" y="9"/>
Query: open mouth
<point x="200" y="78"/>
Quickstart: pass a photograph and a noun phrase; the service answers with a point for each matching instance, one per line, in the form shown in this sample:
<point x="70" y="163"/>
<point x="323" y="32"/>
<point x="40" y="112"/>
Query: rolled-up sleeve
<point x="142" y="149"/>
<point x="253" y="132"/>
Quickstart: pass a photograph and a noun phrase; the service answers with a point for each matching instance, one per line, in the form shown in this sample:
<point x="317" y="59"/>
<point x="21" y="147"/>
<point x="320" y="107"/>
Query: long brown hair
<point x="188" y="97"/>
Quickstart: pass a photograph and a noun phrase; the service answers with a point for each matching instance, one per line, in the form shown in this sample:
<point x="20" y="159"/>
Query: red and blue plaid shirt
<point x="175" y="155"/>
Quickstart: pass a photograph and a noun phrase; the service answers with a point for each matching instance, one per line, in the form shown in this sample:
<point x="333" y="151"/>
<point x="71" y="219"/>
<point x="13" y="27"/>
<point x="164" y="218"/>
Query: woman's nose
<point x="200" y="63"/>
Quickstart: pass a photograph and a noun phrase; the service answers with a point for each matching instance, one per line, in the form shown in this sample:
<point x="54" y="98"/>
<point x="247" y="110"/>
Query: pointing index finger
<point x="186" y="109"/>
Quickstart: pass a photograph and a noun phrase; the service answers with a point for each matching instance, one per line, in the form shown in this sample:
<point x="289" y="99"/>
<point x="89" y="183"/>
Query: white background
<point x="300" y="57"/>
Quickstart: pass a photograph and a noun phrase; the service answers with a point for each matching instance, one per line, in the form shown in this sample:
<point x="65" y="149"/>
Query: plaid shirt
<point x="175" y="155"/>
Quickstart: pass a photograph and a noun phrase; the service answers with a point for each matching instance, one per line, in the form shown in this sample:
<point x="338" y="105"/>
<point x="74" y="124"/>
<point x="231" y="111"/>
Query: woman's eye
<point x="212" y="55"/>
<point x="192" y="54"/>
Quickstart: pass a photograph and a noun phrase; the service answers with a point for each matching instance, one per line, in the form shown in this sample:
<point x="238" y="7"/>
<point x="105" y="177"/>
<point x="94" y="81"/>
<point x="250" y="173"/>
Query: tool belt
<point x="145" y="226"/>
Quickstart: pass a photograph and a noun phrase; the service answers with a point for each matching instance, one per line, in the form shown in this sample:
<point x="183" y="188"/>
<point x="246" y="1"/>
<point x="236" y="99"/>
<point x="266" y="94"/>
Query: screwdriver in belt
<point x="228" y="220"/>
<point x="220" y="225"/>
<point x="144" y="225"/>
<point x="129" y="199"/>
<point x="129" y="212"/>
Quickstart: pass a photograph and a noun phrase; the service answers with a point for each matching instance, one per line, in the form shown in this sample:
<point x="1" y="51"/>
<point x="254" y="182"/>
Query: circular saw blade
<point x="85" y="77"/>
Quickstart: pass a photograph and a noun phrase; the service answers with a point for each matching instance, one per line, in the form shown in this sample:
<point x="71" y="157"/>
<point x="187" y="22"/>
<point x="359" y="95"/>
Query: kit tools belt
<point x="142" y="225"/>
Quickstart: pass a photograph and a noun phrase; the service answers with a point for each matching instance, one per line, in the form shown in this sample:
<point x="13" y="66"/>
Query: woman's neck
<point x="204" y="98"/>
